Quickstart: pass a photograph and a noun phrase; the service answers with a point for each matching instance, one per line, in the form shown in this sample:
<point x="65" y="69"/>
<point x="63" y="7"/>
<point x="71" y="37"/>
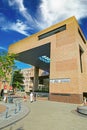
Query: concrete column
<point x="36" y="78"/>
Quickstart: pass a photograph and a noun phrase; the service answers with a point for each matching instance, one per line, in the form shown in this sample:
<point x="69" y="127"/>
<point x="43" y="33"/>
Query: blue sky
<point x="22" y="18"/>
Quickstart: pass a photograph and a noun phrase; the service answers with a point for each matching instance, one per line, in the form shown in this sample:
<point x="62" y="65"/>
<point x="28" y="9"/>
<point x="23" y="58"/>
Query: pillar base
<point x="67" y="98"/>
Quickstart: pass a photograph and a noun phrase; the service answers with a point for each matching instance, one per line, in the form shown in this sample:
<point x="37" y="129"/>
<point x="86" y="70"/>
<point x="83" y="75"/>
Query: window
<point x="81" y="36"/>
<point x="81" y="54"/>
<point x="52" y="32"/>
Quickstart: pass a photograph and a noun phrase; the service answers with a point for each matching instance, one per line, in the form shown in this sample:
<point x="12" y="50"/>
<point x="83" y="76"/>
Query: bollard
<point x="19" y="104"/>
<point x="15" y="110"/>
<point x="6" y="115"/>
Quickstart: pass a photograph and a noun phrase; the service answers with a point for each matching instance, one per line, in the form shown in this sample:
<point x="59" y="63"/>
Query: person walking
<point x="31" y="97"/>
<point x="25" y="97"/>
<point x="84" y="100"/>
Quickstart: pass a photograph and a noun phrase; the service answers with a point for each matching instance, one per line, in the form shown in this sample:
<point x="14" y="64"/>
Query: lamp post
<point x="5" y="87"/>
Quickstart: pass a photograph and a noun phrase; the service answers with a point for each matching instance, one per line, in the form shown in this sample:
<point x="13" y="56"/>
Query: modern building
<point x="60" y="50"/>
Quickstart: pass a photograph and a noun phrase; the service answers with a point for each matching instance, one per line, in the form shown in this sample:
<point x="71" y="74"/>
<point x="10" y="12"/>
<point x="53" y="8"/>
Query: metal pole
<point x="6" y="116"/>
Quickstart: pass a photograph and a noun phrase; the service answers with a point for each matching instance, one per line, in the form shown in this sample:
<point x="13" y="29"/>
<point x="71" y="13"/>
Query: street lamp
<point x="5" y="86"/>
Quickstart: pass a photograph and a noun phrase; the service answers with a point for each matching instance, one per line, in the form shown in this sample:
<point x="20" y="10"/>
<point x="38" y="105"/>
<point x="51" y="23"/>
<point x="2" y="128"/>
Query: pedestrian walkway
<point x="48" y="115"/>
<point x="2" y="108"/>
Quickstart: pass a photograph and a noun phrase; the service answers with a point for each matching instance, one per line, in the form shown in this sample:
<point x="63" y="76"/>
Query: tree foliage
<point x="6" y="64"/>
<point x="18" y="79"/>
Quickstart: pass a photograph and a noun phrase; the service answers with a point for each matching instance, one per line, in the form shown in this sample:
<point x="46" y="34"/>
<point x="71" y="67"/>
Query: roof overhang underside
<point x="31" y="56"/>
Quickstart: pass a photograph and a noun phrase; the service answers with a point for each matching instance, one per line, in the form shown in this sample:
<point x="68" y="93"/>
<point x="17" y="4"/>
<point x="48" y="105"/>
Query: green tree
<point x="6" y="65"/>
<point x="18" y="80"/>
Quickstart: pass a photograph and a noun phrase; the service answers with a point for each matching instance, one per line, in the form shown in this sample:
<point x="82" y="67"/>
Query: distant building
<point x="28" y="84"/>
<point x="29" y="79"/>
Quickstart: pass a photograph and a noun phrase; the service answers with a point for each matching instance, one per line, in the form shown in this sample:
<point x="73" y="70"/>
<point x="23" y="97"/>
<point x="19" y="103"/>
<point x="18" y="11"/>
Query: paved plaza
<point x="48" y="115"/>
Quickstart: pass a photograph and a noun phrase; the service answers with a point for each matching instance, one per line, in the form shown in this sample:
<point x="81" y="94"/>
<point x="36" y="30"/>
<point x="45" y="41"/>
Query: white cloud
<point x="53" y="11"/>
<point x="49" y="12"/>
<point x="17" y="26"/>
<point x="18" y="4"/>
<point x="2" y="48"/>
<point x="20" y="27"/>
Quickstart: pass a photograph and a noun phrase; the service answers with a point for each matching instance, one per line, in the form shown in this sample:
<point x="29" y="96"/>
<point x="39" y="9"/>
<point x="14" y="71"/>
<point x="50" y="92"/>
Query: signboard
<point x="60" y="80"/>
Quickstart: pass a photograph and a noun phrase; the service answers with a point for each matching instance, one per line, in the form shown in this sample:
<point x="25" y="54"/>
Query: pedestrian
<point x="25" y="97"/>
<point x="84" y="100"/>
<point x="5" y="99"/>
<point x="31" y="97"/>
<point x="35" y="96"/>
